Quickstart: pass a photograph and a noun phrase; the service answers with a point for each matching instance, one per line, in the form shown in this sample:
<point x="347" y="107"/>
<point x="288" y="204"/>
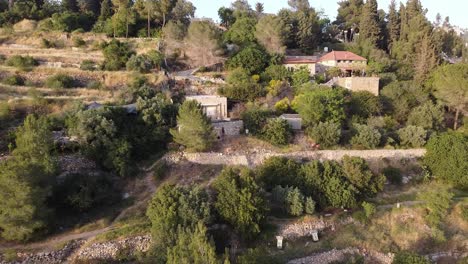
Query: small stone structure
<point x="228" y="128"/>
<point x="213" y="106"/>
<point x="356" y="84"/>
<point x="279" y="242"/>
<point x="296" y="62"/>
<point x="294" y="120"/>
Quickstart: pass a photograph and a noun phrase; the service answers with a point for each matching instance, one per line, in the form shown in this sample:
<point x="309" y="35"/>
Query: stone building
<point x="294" y="120"/>
<point x="296" y="62"/>
<point x="215" y="107"/>
<point x="348" y="62"/>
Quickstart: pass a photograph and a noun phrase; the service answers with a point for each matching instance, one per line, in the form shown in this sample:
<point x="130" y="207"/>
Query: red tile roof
<point x="341" y="55"/>
<point x="300" y="60"/>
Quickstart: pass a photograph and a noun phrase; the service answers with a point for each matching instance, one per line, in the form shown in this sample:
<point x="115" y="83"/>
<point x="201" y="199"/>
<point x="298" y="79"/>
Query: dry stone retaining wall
<point x="252" y="160"/>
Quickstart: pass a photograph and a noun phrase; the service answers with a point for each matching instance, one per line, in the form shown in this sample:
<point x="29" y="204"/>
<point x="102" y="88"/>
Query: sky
<point x="457" y="10"/>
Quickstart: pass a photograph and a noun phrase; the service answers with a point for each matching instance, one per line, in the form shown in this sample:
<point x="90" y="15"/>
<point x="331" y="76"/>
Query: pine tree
<point x="308" y="32"/>
<point x="92" y="6"/>
<point x="369" y="29"/>
<point x="70" y="5"/>
<point x="393" y="26"/>
<point x="106" y="10"/>
<point x="426" y="59"/>
<point x="259" y="8"/>
<point x="192" y="247"/>
<point x="194" y="128"/>
<point x="349" y="16"/>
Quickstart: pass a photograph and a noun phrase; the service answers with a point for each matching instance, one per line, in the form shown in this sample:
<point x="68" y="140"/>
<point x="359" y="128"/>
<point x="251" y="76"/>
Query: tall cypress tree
<point x="308" y="32"/>
<point x="393" y="26"/>
<point x="70" y="5"/>
<point x="369" y="29"/>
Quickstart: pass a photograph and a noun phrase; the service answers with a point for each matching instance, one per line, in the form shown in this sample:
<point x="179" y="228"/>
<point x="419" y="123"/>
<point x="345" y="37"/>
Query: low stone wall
<point x="51" y="257"/>
<point x="252" y="160"/>
<point x="109" y="250"/>
<point x="297" y="230"/>
<point x="336" y="255"/>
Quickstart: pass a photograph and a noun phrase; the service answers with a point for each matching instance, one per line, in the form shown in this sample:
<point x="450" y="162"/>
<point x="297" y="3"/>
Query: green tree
<point x="401" y="97"/>
<point x="271" y="32"/>
<point x="327" y="134"/>
<point x="276" y="72"/>
<point x="116" y="55"/>
<point x="242" y="32"/>
<point x="194" y="128"/>
<point x="369" y="209"/>
<point x="226" y="15"/>
<point x="163" y="9"/>
<point x="241" y="86"/>
<point x="446" y="158"/>
<point x="320" y="105"/>
<point x="450" y="84"/>
<point x="239" y="201"/>
<point x="427" y="116"/>
<point x="192" y="247"/>
<point x="364" y="104"/>
<point x="203" y="43"/>
<point x="358" y="173"/>
<point x="294" y="201"/>
<point x="366" y="137"/>
<point x="106" y="10"/>
<point x="174" y="207"/>
<point x="300" y="77"/>
<point x="412" y="136"/>
<point x="25" y="180"/>
<point x="309" y="206"/>
<point x="253" y="59"/>
<point x="436" y="202"/>
<point x="278" y="171"/>
<point x="369" y="29"/>
<point x="308" y="34"/>
<point x="277" y="131"/>
<point x="393" y="25"/>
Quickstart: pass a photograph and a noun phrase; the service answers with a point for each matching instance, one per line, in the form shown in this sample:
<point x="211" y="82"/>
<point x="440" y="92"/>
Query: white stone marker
<point x="279" y="242"/>
<point x="315" y="235"/>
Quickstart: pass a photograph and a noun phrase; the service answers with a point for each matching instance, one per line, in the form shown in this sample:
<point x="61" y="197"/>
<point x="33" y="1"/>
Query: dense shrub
<point x="277" y="131"/>
<point x="276" y="72"/>
<point x="116" y="55"/>
<point x="393" y="175"/>
<point x="21" y="62"/>
<point x="241" y="86"/>
<point x="405" y="257"/>
<point x="365" y="137"/>
<point x="446" y="158"/>
<point x="292" y="201"/>
<point x="412" y="136"/>
<point x="278" y="171"/>
<point x="427" y="116"/>
<point x="96" y="85"/>
<point x="144" y="63"/>
<point x="327" y="134"/>
<point x="252" y="59"/>
<point x="14" y="80"/>
<point x="83" y="192"/>
<point x="59" y="81"/>
<point x="255" y="118"/>
<point x="240" y="201"/>
<point x="4" y="110"/>
<point x="364" y="104"/>
<point x="300" y="77"/>
<point x="369" y="209"/>
<point x="68" y="21"/>
<point x="436" y="201"/>
<point x="320" y="105"/>
<point x="78" y="42"/>
<point x="88" y="65"/>
<point x="282" y="105"/>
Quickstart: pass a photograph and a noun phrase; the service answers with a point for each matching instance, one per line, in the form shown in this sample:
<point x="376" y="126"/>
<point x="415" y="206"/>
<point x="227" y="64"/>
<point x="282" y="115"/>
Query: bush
<point x="278" y="171"/>
<point x="327" y="134"/>
<point x="369" y="209"/>
<point x="412" y="136"/>
<point x="393" y="175"/>
<point x="436" y="201"/>
<point x="21" y="62"/>
<point x="116" y="55"/>
<point x="13" y="80"/>
<point x="446" y="158"/>
<point x="4" y="110"/>
<point x="277" y="131"/>
<point x="364" y="104"/>
<point x="282" y="105"/>
<point x="95" y="85"/>
<point x="252" y="59"/>
<point x="366" y="137"/>
<point x="59" y="81"/>
<point x="294" y="201"/>
<point x="309" y="206"/>
<point x="159" y="170"/>
<point x="427" y="116"/>
<point x="78" y="42"/>
<point x="144" y="63"/>
<point x="404" y="257"/>
<point x="88" y="65"/>
<point x="276" y="72"/>
<point x="255" y="118"/>
<point x="241" y="86"/>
